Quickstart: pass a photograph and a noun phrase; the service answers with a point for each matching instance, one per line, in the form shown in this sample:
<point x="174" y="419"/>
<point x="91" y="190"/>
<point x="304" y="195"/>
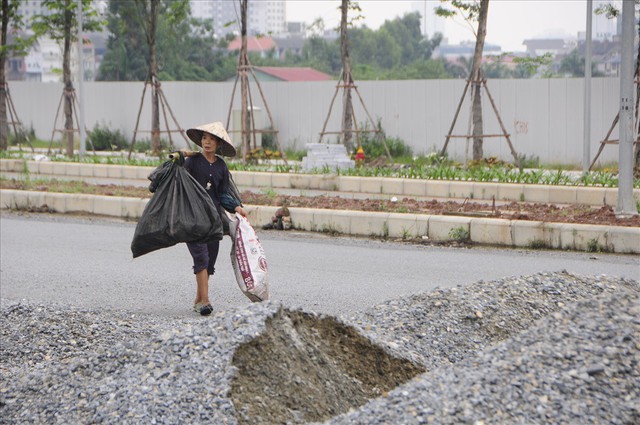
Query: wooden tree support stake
<point x="15" y="122"/>
<point x="480" y="82"/>
<point x="164" y="104"/>
<point x="348" y="86"/>
<point x="74" y="108"/>
<point x="248" y="128"/>
<point x="606" y="140"/>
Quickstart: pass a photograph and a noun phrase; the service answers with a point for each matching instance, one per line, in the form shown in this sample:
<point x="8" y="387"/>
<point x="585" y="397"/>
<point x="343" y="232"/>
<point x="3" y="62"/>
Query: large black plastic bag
<point x="180" y="210"/>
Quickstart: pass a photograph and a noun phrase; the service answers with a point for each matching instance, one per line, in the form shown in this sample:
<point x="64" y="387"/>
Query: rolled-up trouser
<point x="204" y="256"/>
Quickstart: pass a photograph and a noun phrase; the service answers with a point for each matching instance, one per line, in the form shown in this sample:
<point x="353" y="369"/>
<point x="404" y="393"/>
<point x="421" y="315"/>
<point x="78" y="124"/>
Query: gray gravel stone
<point x="544" y="348"/>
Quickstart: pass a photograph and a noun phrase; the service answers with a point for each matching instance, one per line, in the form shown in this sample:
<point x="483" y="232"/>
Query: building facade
<point x="263" y="17"/>
<point x="30" y="8"/>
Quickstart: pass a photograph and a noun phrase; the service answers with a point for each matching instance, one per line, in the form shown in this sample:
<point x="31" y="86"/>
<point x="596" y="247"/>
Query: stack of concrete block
<point x="320" y="155"/>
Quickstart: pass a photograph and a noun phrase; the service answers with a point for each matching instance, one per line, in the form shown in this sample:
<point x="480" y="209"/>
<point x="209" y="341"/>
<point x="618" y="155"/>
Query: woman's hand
<point x="241" y="211"/>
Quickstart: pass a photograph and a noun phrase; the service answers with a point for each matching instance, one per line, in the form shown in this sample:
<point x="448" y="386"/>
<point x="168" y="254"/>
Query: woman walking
<point x="210" y="170"/>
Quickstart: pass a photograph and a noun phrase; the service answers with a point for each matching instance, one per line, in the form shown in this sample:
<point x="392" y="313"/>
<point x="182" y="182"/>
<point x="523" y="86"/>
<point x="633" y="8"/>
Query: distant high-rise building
<point x="430" y="23"/>
<point x="263" y="17"/>
<point x="29" y="8"/>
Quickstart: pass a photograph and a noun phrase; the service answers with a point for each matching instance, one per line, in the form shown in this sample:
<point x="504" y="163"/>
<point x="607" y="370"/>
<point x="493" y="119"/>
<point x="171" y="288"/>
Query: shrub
<point x="432" y="159"/>
<point x="537" y="244"/>
<point x="268" y="140"/>
<point x="532" y="161"/>
<point x="142" y="145"/>
<point x="105" y="139"/>
<point x="23" y="136"/>
<point x="459" y="234"/>
<point x="374" y="145"/>
<point x="490" y="162"/>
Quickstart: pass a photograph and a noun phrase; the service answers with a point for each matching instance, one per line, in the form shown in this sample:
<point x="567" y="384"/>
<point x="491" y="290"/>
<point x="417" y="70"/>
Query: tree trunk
<point x="244" y="81"/>
<point x="66" y="76"/>
<point x="636" y="153"/>
<point x="153" y="72"/>
<point x="347" y="107"/>
<point x="476" y="81"/>
<point x="4" y="127"/>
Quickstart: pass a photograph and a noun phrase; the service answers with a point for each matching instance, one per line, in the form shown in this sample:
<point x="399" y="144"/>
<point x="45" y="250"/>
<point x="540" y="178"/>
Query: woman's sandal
<point x="206" y="310"/>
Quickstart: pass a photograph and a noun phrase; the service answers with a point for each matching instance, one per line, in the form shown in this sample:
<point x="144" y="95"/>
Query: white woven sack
<point x="248" y="259"/>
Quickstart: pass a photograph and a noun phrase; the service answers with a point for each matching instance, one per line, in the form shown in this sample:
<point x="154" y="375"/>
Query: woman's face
<point x="209" y="143"/>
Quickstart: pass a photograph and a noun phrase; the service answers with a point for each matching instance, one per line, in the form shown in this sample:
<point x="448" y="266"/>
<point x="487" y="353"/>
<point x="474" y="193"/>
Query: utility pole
<point x="586" y="146"/>
<point x="244" y="81"/>
<point x="626" y="204"/>
<point x="83" y="136"/>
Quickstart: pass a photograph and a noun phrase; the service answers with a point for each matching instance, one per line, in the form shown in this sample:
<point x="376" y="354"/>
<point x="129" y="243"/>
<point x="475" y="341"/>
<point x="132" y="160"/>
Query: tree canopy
<point x="186" y="48"/>
<point x="396" y="50"/>
<point x="188" y="51"/>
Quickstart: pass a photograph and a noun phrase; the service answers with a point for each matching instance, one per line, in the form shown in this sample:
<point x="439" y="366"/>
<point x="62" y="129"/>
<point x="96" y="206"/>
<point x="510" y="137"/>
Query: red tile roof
<point x="294" y="74"/>
<point x="254" y="44"/>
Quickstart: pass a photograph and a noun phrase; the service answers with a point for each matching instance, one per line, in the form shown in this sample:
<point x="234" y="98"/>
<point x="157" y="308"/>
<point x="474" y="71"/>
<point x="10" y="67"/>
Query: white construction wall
<point x="543" y="116"/>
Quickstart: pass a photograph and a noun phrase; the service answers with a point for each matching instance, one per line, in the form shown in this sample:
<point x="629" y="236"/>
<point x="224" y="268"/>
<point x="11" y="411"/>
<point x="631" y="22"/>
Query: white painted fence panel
<point x="543" y="116"/>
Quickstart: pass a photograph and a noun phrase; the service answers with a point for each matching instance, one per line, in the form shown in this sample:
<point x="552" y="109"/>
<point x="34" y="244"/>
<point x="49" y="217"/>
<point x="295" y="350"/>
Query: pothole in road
<point x="305" y="368"/>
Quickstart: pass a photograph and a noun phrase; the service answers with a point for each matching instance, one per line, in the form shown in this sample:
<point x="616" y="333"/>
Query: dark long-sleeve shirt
<point x="214" y="177"/>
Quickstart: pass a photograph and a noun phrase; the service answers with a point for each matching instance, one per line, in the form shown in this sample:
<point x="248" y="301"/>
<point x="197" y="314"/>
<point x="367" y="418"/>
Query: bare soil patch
<point x="582" y="214"/>
<point x="322" y="368"/>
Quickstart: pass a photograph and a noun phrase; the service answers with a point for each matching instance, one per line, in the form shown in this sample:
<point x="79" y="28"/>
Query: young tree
<point x="472" y="12"/>
<point x="18" y="46"/>
<point x="148" y="13"/>
<point x="142" y="18"/>
<point x="62" y="25"/>
<point x="347" y="108"/>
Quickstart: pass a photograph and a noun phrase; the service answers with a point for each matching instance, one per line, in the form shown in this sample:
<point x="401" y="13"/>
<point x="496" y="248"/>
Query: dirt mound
<point x="324" y="368"/>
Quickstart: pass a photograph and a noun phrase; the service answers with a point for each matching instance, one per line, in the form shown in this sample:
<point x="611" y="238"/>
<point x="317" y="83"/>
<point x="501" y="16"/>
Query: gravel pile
<point x="550" y="347"/>
<point x="444" y="326"/>
<point x="580" y="363"/>
<point x="126" y="369"/>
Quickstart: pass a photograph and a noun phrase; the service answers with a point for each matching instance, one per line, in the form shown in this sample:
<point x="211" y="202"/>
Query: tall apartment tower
<point x="263" y="17"/>
<point x="430" y="23"/>
<point x="27" y="9"/>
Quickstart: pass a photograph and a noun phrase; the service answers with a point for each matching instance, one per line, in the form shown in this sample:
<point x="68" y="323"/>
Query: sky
<point x="509" y="22"/>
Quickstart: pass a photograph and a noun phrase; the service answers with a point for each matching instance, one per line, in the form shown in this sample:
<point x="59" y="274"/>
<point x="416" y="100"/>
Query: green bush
<point x="432" y="159"/>
<point x="105" y="139"/>
<point x="532" y="161"/>
<point x="23" y="136"/>
<point x="142" y="145"/>
<point x="459" y="234"/>
<point x="268" y="141"/>
<point x="374" y="145"/>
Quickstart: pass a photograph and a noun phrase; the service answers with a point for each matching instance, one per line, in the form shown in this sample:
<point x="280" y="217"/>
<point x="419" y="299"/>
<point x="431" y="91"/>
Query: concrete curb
<point x="486" y="231"/>
<point x="412" y="188"/>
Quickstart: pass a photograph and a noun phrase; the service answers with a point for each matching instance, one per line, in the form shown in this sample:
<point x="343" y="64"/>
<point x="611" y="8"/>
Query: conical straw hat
<point x="216" y="129"/>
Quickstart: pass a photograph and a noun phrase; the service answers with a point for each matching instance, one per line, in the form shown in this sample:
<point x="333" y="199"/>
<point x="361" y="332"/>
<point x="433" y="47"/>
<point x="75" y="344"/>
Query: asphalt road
<point x="87" y="262"/>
